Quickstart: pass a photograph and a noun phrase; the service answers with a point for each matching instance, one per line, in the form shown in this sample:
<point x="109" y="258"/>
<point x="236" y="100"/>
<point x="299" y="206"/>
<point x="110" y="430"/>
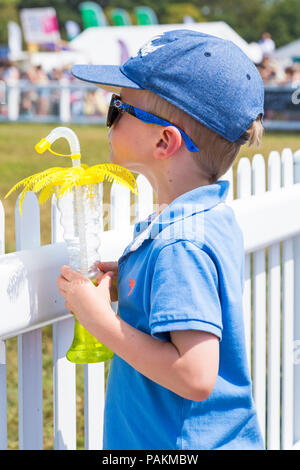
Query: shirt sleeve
<point x="184" y="292"/>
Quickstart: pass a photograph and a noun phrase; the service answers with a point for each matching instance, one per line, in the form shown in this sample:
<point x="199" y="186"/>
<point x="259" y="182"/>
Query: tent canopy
<point x="288" y="53"/>
<point x="111" y="45"/>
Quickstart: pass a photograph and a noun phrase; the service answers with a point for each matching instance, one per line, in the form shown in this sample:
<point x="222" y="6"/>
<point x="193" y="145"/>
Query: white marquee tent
<point x="287" y="53"/>
<point x="111" y="44"/>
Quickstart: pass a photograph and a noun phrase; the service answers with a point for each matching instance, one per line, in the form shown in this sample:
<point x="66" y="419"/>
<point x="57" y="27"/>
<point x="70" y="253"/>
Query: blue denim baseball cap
<point x="209" y="78"/>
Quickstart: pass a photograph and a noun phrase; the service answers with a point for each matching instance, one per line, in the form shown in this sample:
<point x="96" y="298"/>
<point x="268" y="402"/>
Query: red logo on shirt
<point x="131" y="285"/>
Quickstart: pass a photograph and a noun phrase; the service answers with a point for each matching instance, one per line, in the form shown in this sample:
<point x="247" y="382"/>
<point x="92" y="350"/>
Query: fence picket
<point x="120" y="207"/>
<point x="30" y="373"/>
<point x="144" y="204"/>
<point x="229" y="176"/>
<point x="94" y="384"/>
<point x="2" y="229"/>
<point x="3" y="397"/>
<point x="64" y="372"/>
<point x="3" y="374"/>
<point x="94" y="398"/>
<point x="274" y="320"/>
<point x="243" y="191"/>
<point x="287" y="318"/>
<point x="259" y="308"/>
<point x="296" y="320"/>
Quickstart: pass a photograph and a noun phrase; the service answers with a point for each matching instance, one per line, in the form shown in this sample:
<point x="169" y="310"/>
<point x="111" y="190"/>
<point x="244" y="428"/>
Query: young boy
<point x="179" y="378"/>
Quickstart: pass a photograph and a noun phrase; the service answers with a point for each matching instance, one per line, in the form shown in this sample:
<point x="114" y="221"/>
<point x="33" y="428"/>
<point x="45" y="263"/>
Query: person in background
<point x="267" y="44"/>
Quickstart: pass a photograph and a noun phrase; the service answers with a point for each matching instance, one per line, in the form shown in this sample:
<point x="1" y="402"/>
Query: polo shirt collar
<point x="186" y="205"/>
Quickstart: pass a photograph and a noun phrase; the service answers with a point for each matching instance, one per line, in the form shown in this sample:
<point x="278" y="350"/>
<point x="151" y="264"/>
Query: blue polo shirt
<point x="184" y="270"/>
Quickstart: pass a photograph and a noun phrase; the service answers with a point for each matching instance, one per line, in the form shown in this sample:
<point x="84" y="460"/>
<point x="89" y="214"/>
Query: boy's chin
<point x="114" y="159"/>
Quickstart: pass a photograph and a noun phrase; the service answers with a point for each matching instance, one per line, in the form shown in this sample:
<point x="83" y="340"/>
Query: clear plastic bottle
<point x="81" y="219"/>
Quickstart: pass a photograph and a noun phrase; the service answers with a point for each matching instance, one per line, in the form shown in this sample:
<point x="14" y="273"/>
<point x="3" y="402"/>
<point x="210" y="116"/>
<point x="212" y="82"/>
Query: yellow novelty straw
<point x="44" y="144"/>
<point x="60" y="180"/>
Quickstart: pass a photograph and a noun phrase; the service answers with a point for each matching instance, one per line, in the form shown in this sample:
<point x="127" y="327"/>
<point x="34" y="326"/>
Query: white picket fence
<point x="29" y="300"/>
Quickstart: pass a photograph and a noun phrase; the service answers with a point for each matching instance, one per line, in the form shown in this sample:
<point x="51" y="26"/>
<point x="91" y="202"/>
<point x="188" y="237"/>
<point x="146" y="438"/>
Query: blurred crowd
<point x="271" y="70"/>
<point x="273" y="73"/>
<point x="41" y="91"/>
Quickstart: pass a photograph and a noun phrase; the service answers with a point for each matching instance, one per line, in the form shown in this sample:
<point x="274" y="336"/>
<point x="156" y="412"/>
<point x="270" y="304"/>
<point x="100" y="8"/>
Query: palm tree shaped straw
<point x="78" y="194"/>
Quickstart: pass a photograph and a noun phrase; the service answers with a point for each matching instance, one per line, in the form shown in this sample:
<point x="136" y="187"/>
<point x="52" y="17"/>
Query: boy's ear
<point x="168" y="142"/>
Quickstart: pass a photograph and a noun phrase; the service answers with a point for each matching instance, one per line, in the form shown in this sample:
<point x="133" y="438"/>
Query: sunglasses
<point x="117" y="107"/>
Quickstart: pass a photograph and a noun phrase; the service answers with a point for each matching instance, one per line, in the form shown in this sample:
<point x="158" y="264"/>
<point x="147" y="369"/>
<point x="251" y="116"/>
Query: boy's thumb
<point x="107" y="277"/>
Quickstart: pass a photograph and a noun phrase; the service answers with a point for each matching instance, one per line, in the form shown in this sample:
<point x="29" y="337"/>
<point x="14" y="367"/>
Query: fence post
<point x="13" y="100"/>
<point x="64" y="101"/>
<point x="2" y="92"/>
<point x="3" y="395"/>
<point x="30" y="366"/>
<point x="94" y="392"/>
<point x="259" y="307"/>
<point x="64" y="372"/>
<point x="274" y="320"/>
<point x="243" y="190"/>
<point x="296" y="248"/>
<point x="3" y="381"/>
<point x="288" y="286"/>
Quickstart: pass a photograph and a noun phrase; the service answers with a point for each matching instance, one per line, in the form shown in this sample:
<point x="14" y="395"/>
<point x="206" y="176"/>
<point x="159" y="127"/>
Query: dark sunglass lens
<point x="111" y="115"/>
<point x="112" y="112"/>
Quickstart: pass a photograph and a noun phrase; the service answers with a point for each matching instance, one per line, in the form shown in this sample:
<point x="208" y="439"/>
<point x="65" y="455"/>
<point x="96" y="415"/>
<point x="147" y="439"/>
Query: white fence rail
<point x="29" y="300"/>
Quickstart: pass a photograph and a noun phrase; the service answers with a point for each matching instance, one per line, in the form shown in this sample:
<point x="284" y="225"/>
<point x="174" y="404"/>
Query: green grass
<point x="18" y="159"/>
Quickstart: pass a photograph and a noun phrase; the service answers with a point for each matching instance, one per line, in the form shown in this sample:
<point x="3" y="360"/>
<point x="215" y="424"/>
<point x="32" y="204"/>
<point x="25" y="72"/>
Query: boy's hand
<point x="88" y="302"/>
<point x="113" y="267"/>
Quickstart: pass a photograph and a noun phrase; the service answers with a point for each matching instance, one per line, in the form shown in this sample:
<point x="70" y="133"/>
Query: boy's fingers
<point x="61" y="283"/>
<point x="107" y="277"/>
<point x="108" y="266"/>
<point x="68" y="273"/>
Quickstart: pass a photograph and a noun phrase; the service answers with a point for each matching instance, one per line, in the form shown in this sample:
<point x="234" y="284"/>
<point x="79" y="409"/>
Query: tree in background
<point x="175" y="12"/>
<point x="283" y="21"/>
<point x="249" y="18"/>
<point x="246" y="17"/>
<point x="8" y="12"/>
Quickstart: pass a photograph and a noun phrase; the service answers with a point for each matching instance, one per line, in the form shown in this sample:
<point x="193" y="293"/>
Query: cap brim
<point x="108" y="77"/>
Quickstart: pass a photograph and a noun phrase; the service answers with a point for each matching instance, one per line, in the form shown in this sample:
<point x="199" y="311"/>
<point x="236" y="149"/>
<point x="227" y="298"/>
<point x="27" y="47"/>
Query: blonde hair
<point x="216" y="154"/>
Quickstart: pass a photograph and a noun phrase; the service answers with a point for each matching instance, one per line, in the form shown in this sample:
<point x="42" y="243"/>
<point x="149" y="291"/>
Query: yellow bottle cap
<point x="42" y="146"/>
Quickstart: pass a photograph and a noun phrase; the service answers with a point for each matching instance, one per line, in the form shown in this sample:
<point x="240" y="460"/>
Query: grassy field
<point x="18" y="159"/>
